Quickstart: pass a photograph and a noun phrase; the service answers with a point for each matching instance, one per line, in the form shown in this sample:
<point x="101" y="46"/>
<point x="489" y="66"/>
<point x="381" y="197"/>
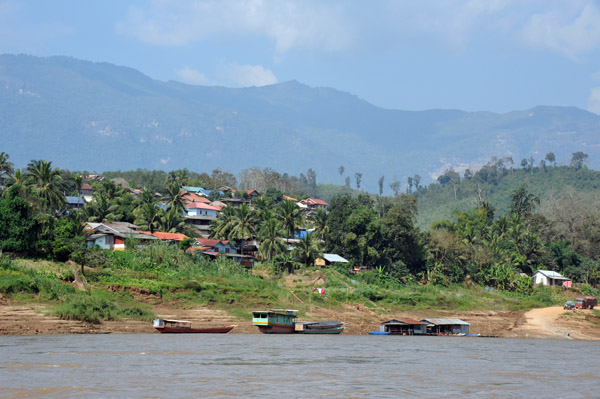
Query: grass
<point x="162" y="274"/>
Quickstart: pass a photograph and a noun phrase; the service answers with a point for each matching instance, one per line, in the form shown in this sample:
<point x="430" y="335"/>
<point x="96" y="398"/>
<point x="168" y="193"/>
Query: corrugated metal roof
<point x="552" y="274"/>
<point x="446" y="322"/>
<point x="334" y="258"/>
<point x="404" y="322"/>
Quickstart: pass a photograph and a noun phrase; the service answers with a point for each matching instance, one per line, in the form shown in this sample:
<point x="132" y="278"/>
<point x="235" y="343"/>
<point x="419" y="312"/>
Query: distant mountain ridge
<point x="97" y="116"/>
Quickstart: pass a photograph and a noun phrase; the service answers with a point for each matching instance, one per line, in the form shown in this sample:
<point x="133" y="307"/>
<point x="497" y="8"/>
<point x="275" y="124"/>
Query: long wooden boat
<point x="185" y="327"/>
<point x="274" y="321"/>
<point x="319" y="327"/>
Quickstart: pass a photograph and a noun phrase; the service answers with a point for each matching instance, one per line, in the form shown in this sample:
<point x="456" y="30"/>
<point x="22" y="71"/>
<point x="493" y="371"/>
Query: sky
<point x="486" y="55"/>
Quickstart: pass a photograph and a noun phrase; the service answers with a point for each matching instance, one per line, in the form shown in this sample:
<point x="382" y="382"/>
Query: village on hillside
<point x="200" y="215"/>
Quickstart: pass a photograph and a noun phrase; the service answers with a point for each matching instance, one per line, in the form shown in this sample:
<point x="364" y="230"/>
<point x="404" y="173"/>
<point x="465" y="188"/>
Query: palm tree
<point x="271" y="241"/>
<point x="242" y="226"/>
<point x="291" y="217"/>
<point x="307" y="250"/>
<point x="147" y="217"/>
<point x="171" y="221"/>
<point x="45" y="184"/>
<point x="146" y="197"/>
<point x="6" y="167"/>
<point x="175" y="198"/>
<point x="221" y="227"/>
<point x="319" y="220"/>
<point x="100" y="209"/>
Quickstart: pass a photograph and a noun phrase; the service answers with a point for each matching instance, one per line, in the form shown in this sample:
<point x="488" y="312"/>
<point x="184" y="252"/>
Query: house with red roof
<point x="189" y="198"/>
<point x="314" y="203"/>
<point x="201" y="209"/>
<point x="169" y="237"/>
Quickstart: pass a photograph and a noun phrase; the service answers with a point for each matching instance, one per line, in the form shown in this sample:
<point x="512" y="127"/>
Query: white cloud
<point x="594" y="101"/>
<point x="192" y="76"/>
<point x="310" y="23"/>
<point x="250" y="75"/>
<point x="571" y="28"/>
<point x="452" y="22"/>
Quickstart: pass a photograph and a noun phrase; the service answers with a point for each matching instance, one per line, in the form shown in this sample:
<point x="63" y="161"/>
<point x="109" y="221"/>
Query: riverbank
<point x="544" y="323"/>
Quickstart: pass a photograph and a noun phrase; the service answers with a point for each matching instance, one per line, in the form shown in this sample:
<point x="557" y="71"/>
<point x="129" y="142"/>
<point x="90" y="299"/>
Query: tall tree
<point x="341" y="170"/>
<point x="358" y="178"/>
<point x="578" y="160"/>
<point x="523" y="203"/>
<point x="380" y="182"/>
<point x="271" y="241"/>
<point x="307" y="250"/>
<point x="171" y="221"/>
<point x="147" y="217"/>
<point x="45" y="184"/>
<point x="6" y="167"/>
<point x="291" y="217"/>
<point x="395" y="186"/>
<point x="174" y="198"/>
<point x="319" y="222"/>
<point x="243" y="227"/>
<point x="550" y="157"/>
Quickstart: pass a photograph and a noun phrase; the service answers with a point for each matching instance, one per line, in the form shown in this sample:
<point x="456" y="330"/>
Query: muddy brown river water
<point x="293" y="366"/>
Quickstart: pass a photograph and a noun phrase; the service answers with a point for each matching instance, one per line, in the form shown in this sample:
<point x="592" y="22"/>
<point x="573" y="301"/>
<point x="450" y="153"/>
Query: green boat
<point x="319" y="327"/>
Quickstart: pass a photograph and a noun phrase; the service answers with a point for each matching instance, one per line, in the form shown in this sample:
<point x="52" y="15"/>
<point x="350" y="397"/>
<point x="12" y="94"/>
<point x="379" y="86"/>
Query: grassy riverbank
<point x="131" y="284"/>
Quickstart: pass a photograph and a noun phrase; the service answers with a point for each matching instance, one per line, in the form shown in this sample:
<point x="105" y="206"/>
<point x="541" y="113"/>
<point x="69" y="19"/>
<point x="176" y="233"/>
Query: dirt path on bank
<point x="549" y="323"/>
<point x="555" y="322"/>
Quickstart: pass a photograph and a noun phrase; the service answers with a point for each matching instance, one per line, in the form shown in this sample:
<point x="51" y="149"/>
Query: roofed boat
<point x="274" y="321"/>
<point x="185" y="327"/>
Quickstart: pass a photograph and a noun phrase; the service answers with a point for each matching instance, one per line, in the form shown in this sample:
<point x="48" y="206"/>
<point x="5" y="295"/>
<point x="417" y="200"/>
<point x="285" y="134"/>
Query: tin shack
<point x="446" y="326"/>
<point x="403" y="327"/>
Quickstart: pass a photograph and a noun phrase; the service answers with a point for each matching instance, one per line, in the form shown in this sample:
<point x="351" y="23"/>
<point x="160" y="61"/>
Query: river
<point x="253" y="365"/>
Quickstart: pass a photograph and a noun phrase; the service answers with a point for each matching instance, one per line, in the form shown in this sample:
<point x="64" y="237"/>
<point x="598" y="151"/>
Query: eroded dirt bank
<point x="552" y="323"/>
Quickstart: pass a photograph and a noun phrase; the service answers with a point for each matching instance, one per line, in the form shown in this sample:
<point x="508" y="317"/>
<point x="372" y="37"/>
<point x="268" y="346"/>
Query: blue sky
<point x="490" y="55"/>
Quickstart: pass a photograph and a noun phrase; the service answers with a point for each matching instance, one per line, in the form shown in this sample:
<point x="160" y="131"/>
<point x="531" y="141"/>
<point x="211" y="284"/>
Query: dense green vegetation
<point x="513" y="222"/>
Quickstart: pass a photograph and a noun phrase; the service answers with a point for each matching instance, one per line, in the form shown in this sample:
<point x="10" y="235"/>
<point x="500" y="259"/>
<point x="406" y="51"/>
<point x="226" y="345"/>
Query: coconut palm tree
<point x="221" y="227"/>
<point x="100" y="209"/>
<point x="171" y="221"/>
<point x="307" y="250"/>
<point x="242" y="227"/>
<point x="319" y="221"/>
<point x="6" y="167"/>
<point x="45" y="184"/>
<point x="291" y="217"/>
<point x="147" y="217"/>
<point x="175" y="199"/>
<point x="271" y="241"/>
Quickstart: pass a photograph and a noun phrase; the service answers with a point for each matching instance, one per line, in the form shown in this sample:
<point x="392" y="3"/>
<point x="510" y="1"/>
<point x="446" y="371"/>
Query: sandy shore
<point x="550" y="323"/>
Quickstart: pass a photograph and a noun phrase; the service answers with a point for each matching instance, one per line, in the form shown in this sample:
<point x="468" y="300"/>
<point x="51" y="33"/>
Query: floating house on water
<point x="403" y="327"/>
<point x="446" y="326"/>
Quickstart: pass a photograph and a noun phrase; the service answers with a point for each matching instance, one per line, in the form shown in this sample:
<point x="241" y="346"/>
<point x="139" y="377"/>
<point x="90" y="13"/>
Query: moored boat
<point x="319" y="327"/>
<point x="185" y="327"/>
<point x="274" y="321"/>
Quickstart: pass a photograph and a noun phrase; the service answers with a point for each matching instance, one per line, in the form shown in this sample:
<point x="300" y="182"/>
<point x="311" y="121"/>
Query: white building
<point x="547" y="277"/>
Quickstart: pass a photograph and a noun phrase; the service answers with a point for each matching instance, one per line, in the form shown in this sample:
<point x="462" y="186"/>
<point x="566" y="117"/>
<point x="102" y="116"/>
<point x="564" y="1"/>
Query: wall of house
<point x="202" y="212"/>
<point x="105" y="242"/>
<point x="540" y="279"/>
<point x="225" y="248"/>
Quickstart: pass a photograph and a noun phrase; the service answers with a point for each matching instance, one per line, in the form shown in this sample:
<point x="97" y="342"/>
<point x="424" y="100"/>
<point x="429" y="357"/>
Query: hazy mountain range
<point x="98" y="116"/>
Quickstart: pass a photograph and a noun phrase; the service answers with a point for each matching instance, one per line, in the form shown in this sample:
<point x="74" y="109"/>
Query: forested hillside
<point x="555" y="186"/>
<point x="102" y="117"/>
